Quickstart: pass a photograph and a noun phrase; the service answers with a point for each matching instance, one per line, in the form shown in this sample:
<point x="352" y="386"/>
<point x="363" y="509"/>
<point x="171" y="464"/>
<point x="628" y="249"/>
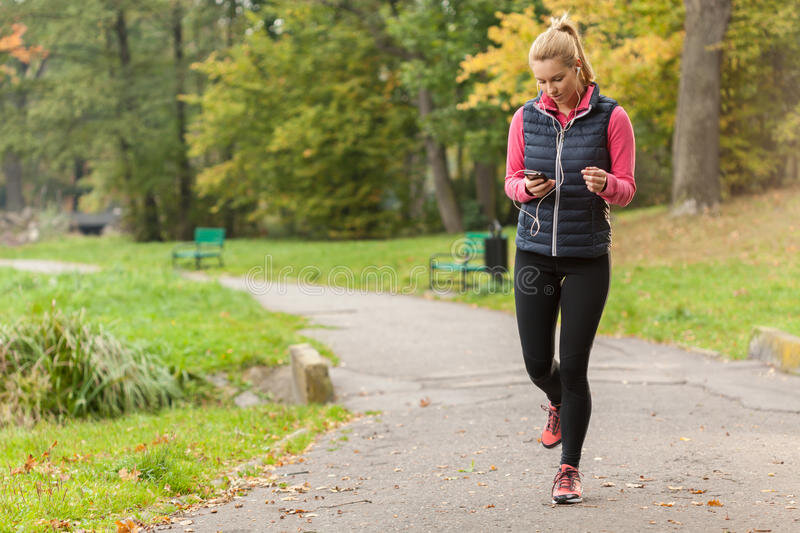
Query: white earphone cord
<point x="560" y="133"/>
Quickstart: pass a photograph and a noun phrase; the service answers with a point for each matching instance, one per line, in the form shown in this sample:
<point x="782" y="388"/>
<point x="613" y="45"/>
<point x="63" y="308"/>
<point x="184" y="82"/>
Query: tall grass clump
<point x="58" y="366"/>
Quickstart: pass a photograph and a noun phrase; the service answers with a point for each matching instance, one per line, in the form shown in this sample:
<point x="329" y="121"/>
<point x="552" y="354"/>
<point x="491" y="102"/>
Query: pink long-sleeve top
<point x="620" y="186"/>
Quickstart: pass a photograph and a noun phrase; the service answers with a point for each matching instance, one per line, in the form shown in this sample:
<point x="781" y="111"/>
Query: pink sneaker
<point x="551" y="434"/>
<point x="567" y="485"/>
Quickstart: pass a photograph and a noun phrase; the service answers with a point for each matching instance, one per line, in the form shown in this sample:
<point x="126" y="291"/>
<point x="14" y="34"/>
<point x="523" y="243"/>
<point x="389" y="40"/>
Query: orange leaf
<point x="29" y="464"/>
<point x="141" y="447"/>
<point x="129" y="476"/>
<point x="714" y="503"/>
<point x="160" y="439"/>
<point x="128" y="526"/>
<point x="425" y="402"/>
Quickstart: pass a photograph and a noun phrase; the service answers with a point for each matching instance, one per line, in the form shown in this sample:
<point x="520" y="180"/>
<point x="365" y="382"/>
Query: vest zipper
<point x="560" y="135"/>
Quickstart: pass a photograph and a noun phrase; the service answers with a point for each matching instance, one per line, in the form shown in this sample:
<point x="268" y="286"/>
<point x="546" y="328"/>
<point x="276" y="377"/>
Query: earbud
<point x="577" y="69"/>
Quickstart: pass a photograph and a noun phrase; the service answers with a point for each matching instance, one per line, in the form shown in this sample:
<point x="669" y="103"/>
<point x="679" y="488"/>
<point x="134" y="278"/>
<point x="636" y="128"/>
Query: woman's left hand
<point x="595" y="178"/>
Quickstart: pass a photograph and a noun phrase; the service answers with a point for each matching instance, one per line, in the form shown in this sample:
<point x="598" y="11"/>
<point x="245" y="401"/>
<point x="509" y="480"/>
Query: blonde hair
<point x="563" y="42"/>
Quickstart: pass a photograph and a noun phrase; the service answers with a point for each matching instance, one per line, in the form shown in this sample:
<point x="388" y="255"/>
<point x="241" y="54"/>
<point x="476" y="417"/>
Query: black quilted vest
<point x="573" y="221"/>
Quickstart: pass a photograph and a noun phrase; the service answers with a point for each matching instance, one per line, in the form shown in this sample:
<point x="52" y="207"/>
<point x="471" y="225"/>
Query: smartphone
<point x="534" y="174"/>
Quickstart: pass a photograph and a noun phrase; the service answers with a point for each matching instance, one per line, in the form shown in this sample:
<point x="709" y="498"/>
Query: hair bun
<point x="561" y="23"/>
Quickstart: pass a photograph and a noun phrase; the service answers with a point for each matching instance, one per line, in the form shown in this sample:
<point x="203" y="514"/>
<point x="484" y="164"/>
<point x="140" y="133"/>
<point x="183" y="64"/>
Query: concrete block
<point x="776" y="347"/>
<point x="311" y="381"/>
<point x="247" y="399"/>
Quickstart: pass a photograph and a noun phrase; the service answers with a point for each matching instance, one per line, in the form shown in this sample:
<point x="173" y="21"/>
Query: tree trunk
<point x="147" y="226"/>
<point x="437" y="160"/>
<point x="150" y="229"/>
<point x="12" y="168"/>
<point x="184" y="177"/>
<point x="12" y="161"/>
<point x="695" y="147"/>
<point x="485" y="189"/>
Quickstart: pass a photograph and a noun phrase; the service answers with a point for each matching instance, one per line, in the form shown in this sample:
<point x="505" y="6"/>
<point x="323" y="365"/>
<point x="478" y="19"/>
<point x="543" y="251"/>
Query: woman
<point x="583" y="143"/>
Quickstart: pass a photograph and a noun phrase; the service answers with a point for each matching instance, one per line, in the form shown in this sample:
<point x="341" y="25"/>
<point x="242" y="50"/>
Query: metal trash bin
<point x="496" y="251"/>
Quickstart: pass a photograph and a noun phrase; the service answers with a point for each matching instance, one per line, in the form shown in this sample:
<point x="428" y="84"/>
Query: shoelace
<point x="566" y="479"/>
<point x="553" y="420"/>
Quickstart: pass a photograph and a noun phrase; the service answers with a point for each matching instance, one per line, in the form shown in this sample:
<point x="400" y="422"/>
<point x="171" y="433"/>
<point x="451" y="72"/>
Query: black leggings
<point x="580" y="286"/>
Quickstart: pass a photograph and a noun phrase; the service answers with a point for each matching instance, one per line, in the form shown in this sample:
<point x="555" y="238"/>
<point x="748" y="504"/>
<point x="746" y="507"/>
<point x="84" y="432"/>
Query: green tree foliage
<point x="105" y="105"/>
<point x="761" y="96"/>
<point x="317" y="128"/>
<point x="20" y="67"/>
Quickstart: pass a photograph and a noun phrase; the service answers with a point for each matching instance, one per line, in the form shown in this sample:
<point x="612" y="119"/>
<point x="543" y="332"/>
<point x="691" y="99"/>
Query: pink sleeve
<point x="621" y="185"/>
<point x="515" y="161"/>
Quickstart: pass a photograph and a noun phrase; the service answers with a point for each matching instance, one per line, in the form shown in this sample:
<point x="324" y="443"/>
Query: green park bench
<point x="468" y="256"/>
<point x="207" y="243"/>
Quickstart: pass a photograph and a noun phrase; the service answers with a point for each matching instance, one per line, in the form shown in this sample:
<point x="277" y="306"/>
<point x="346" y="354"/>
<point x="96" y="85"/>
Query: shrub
<point x="57" y="366"/>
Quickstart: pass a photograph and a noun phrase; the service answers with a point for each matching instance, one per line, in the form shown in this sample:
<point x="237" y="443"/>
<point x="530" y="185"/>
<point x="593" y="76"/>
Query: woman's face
<point x="557" y="80"/>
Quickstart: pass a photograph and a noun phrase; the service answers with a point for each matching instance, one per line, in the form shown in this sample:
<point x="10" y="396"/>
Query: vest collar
<point x="590" y="97"/>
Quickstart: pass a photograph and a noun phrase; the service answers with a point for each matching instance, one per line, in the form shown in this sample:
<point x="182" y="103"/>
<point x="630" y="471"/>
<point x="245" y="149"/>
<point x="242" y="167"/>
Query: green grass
<point x="77" y="471"/>
<point x="703" y="281"/>
<point x="195" y="327"/>
<point x="199" y="327"/>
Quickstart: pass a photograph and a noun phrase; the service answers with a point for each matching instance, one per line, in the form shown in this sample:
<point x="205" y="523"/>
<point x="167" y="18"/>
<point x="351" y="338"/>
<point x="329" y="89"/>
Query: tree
<point x="695" y="150"/>
<point x="304" y="119"/>
<point x="429" y="38"/>
<point x="760" y="123"/>
<point x="19" y="65"/>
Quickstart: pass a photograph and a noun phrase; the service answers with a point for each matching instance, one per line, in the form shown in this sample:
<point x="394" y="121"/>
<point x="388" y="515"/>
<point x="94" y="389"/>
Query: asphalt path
<point x="678" y="440"/>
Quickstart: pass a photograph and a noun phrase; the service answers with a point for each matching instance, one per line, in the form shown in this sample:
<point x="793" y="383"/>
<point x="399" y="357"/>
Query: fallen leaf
<point x="141" y="447"/>
<point x="635" y="485"/>
<point x="670" y="487"/>
<point x="129" y="476"/>
<point x="492" y="468"/>
<point x="29" y="463"/>
<point x="425" y="402"/>
<point x="127" y="526"/>
<point x="161" y="439"/>
<point x="697" y="491"/>
<point x="696" y="503"/>
<point x="674" y="522"/>
<point x="685" y="438"/>
<point x="608" y="484"/>
<point x="665" y="504"/>
<point x="714" y="503"/>
<point x="490" y="506"/>
<point x="769" y="490"/>
<point x="186" y="522"/>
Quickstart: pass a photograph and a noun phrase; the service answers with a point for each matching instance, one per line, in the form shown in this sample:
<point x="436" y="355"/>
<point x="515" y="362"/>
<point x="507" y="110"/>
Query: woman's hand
<point x="595" y="179"/>
<point x="538" y="187"/>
